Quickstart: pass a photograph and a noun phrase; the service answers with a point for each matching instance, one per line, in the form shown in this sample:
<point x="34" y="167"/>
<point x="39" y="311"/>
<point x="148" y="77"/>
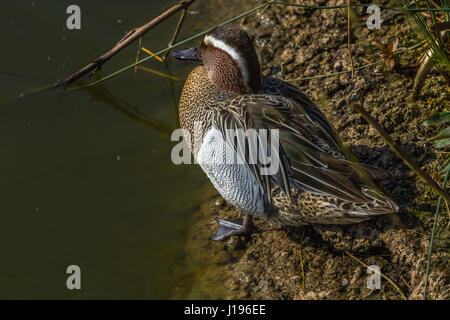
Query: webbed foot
<point x="232" y="227"/>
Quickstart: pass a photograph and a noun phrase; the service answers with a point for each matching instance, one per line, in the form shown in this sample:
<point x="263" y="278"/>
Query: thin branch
<point x="180" y="43"/>
<point x="349" y="47"/>
<point x="183" y="4"/>
<point x="301" y="264"/>
<point x="151" y="53"/>
<point x="177" y="31"/>
<point x="138" y="55"/>
<point x="401" y="153"/>
<point x="406" y="284"/>
<point x="129" y="38"/>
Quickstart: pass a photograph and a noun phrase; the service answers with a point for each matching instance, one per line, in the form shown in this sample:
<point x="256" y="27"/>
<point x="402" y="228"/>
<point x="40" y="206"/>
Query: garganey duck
<point x="315" y="183"/>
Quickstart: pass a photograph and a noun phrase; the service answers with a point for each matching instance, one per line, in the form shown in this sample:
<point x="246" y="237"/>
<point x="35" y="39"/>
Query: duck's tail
<point x="377" y="204"/>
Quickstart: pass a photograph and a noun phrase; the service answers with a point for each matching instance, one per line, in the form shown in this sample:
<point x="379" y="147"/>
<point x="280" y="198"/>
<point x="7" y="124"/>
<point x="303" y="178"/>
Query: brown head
<point x="229" y="57"/>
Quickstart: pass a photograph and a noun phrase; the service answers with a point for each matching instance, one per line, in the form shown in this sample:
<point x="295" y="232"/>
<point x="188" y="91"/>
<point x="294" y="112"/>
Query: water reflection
<point x="103" y="94"/>
<point x="86" y="176"/>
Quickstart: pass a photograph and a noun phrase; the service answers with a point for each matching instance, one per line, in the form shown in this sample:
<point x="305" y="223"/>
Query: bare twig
<point x="349" y="47"/>
<point x="406" y="284"/>
<point x="183" y="4"/>
<point x="177" y="31"/>
<point x="301" y="260"/>
<point x="129" y="38"/>
<point x="401" y="153"/>
<point x="151" y="54"/>
<point x="155" y="55"/>
<point x="138" y="55"/>
<point x="301" y="264"/>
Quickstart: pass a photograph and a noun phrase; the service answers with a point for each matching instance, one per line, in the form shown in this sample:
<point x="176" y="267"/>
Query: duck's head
<point x="230" y="58"/>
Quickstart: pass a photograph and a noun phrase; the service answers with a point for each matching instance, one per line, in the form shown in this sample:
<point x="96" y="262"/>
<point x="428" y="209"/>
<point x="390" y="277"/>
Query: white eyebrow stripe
<point x="233" y="53"/>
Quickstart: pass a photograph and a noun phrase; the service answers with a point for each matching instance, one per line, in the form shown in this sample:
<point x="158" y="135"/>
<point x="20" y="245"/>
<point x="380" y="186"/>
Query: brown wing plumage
<point x="311" y="155"/>
<point x="332" y="140"/>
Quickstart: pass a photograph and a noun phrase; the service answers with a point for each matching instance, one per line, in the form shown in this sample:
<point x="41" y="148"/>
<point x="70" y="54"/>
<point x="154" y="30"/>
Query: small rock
<point x="356" y="275"/>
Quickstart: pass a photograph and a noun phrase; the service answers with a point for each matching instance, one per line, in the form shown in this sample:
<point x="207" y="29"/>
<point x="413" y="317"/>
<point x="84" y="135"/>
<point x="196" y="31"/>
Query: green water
<point x="86" y="175"/>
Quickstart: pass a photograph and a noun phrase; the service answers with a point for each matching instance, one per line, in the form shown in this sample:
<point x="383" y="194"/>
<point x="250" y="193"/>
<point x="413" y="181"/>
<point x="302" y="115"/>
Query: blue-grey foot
<point x="233" y="227"/>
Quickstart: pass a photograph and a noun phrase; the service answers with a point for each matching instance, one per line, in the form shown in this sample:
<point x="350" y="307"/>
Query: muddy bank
<point x="294" y="43"/>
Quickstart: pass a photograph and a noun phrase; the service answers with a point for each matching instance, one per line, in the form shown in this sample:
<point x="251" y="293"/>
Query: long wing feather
<point x="310" y="153"/>
<point x="242" y="113"/>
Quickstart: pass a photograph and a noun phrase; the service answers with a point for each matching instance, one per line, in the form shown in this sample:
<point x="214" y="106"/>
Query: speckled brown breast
<point x="196" y="105"/>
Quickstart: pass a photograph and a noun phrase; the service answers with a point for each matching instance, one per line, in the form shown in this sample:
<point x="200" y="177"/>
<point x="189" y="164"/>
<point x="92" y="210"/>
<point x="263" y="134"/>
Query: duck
<point x="316" y="181"/>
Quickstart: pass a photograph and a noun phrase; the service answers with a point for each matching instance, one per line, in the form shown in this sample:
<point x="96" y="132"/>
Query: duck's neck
<point x="233" y="73"/>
